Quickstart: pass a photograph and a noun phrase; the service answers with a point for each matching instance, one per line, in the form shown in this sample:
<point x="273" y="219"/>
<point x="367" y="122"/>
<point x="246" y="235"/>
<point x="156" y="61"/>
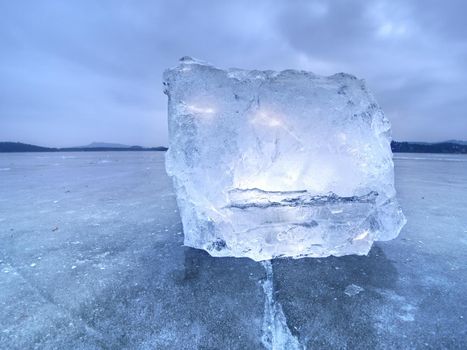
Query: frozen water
<point x="111" y="271"/>
<point x="271" y="164"/>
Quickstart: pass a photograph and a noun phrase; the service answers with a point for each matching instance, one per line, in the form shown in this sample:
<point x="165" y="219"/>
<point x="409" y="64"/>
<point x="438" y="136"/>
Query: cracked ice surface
<point x="269" y="164"/>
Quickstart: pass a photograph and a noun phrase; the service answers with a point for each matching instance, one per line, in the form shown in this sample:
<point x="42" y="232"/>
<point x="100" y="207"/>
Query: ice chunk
<point x="272" y="164"/>
<point x="353" y="289"/>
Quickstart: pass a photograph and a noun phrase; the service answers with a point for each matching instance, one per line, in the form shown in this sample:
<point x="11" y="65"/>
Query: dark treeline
<point x="24" y="147"/>
<point x="419" y="147"/>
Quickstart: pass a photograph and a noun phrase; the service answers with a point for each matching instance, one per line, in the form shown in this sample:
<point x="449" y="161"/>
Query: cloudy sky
<point x="77" y="71"/>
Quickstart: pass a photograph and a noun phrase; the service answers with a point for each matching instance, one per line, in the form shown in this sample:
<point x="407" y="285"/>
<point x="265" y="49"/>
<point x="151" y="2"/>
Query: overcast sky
<point x="77" y="71"/>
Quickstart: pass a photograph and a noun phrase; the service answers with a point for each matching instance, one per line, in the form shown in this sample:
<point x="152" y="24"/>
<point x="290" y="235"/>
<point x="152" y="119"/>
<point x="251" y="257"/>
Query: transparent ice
<point x="271" y="164"/>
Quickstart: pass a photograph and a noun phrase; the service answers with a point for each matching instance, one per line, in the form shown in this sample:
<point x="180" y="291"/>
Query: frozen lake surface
<point x="92" y="257"/>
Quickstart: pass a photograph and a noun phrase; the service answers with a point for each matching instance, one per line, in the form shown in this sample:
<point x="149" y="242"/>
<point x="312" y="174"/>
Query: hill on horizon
<point x="105" y="145"/>
<point x="459" y="142"/>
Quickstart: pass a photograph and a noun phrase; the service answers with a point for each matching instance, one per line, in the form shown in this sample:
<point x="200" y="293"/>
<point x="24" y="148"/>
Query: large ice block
<point x="279" y="164"/>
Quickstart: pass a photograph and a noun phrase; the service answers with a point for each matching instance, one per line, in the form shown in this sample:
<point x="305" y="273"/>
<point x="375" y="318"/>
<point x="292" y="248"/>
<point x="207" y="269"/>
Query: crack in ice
<point x="276" y="333"/>
<point x="255" y="198"/>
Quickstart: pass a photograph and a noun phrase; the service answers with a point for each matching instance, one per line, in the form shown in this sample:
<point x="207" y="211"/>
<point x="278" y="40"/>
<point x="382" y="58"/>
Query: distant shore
<point x="459" y="147"/>
<point x="16" y="147"/>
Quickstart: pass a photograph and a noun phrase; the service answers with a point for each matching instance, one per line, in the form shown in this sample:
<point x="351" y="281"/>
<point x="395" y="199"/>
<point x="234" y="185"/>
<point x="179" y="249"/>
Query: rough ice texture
<point x="279" y="164"/>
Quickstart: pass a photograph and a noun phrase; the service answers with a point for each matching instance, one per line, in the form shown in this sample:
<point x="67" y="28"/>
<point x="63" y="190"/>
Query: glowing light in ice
<point x="342" y="137"/>
<point x="267" y="119"/>
<point x="201" y="109"/>
<point x="273" y="120"/>
<point x="362" y="235"/>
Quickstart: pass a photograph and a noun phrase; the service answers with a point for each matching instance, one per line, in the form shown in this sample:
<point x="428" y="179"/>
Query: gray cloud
<point x="78" y="71"/>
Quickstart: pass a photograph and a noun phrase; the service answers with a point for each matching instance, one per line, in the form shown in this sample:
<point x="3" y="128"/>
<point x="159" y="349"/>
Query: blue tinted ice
<point x="268" y="164"/>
